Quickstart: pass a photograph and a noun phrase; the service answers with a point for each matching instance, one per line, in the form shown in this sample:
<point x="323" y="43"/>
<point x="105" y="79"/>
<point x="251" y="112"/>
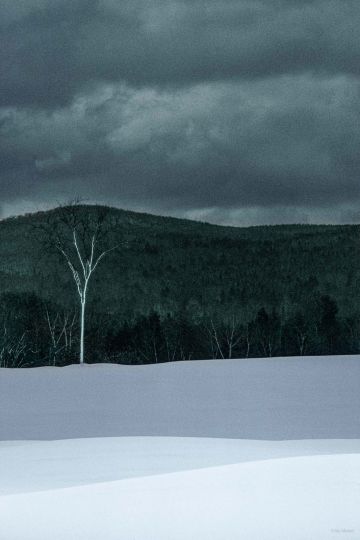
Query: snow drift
<point x="294" y="498"/>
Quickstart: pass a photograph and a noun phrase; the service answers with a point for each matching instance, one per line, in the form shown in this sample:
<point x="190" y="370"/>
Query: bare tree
<point x="268" y="332"/>
<point x="148" y="340"/>
<point x="12" y="349"/>
<point x="60" y="327"/>
<point x="88" y="265"/>
<point x="224" y="336"/>
<point x="301" y="330"/>
<point x="80" y="235"/>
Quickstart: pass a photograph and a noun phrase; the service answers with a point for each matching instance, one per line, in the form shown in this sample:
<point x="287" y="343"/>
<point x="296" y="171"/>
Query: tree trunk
<point x="82" y="333"/>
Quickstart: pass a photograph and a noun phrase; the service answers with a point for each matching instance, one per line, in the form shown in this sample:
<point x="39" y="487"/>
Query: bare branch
<point x="78" y="252"/>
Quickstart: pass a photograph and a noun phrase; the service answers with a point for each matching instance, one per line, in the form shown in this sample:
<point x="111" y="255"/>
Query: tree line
<point x="36" y="332"/>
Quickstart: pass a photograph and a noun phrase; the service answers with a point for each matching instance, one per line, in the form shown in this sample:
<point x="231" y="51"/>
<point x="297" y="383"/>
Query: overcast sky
<point x="232" y="111"/>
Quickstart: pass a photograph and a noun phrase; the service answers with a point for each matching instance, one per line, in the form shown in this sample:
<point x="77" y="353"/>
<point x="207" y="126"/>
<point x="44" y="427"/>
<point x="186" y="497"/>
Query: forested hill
<point x="192" y="272"/>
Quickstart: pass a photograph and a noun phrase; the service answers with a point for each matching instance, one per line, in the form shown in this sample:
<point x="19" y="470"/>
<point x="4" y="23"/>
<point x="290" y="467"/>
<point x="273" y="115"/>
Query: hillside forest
<point x="168" y="289"/>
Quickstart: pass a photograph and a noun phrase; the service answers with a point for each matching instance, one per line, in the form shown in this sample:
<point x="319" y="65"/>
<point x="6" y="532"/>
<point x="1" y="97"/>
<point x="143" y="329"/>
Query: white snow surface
<point x="37" y="465"/>
<point x="298" y="498"/>
<point x="271" y="398"/>
<point x="265" y="449"/>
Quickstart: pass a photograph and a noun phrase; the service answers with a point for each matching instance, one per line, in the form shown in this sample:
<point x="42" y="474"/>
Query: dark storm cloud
<point x="51" y="49"/>
<point x="292" y="141"/>
<point x="233" y="111"/>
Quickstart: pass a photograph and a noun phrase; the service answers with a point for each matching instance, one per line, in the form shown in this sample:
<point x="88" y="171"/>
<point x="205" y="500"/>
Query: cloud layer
<point x="235" y="111"/>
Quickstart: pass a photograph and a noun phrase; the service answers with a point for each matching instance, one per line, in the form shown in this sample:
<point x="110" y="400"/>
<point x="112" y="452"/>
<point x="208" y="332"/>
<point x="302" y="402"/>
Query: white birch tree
<point x="60" y="327"/>
<point x="224" y="336"/>
<point x="88" y="265"/>
<point x="78" y="235"/>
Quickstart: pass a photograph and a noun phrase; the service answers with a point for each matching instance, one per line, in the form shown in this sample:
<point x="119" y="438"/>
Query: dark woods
<point x="36" y="333"/>
<point x="179" y="290"/>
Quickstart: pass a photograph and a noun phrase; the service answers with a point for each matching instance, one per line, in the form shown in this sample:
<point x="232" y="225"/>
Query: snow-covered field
<point x="264" y="449"/>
